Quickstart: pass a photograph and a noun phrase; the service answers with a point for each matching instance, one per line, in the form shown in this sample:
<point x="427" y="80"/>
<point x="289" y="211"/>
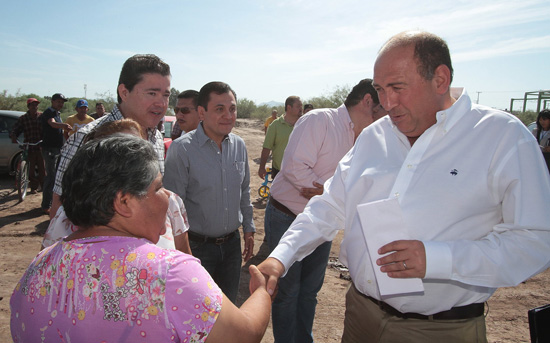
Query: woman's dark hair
<point x="543" y="114"/>
<point x="100" y="170"/>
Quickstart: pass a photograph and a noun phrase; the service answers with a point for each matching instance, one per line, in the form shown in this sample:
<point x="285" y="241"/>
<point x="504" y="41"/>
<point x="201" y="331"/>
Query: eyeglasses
<point x="184" y="110"/>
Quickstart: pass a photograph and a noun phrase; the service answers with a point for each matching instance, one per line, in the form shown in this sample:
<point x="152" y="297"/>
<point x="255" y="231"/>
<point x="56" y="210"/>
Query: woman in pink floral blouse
<point x="108" y="281"/>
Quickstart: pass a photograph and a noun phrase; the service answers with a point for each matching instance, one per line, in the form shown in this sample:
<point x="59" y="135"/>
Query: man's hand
<point x="262" y="172"/>
<point x="67" y="127"/>
<point x="248" y="251"/>
<point x="408" y="259"/>
<point x="272" y="270"/>
<point x="309" y="193"/>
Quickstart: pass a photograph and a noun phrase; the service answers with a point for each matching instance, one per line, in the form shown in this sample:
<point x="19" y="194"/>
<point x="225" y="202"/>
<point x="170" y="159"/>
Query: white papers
<point x="382" y="223"/>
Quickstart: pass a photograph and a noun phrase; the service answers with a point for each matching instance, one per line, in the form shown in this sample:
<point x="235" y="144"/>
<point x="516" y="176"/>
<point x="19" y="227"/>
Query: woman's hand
<point x="257" y="279"/>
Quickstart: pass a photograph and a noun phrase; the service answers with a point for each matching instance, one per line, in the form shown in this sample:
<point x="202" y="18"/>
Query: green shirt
<point x="276" y="140"/>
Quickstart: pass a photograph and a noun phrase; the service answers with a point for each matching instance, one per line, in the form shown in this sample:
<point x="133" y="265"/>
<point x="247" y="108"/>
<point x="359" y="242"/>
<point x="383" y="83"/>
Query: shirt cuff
<point x="439" y="260"/>
<point x="285" y="255"/>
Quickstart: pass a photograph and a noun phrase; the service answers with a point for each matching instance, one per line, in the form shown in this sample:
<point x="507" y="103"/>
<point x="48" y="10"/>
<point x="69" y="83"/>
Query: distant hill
<point x="272" y="104"/>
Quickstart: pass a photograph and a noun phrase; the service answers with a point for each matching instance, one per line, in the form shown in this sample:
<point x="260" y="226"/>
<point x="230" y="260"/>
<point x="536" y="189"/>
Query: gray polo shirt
<point x="214" y="184"/>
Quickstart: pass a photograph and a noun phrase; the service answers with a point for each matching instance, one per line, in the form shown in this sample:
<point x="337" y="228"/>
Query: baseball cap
<point x="57" y="96"/>
<point x="81" y="103"/>
<point x="31" y="100"/>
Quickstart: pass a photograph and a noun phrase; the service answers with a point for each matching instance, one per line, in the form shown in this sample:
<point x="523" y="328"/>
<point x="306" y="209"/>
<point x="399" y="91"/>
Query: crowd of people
<point x="441" y="202"/>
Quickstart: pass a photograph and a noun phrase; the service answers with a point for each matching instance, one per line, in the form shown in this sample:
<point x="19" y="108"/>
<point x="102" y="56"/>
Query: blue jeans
<point x="223" y="263"/>
<point x="51" y="156"/>
<point x="293" y="309"/>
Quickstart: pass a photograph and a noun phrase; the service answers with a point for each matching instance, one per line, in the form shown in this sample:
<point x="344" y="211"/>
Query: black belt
<point x="455" y="313"/>
<point x="281" y="207"/>
<point x="205" y="239"/>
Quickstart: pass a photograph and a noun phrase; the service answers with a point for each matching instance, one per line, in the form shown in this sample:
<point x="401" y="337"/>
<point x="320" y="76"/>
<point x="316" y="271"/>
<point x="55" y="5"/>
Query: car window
<point x="6" y="123"/>
<point x="167" y="129"/>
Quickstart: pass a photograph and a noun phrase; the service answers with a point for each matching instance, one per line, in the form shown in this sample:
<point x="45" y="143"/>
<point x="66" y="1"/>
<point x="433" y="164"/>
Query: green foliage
<point x="330" y="100"/>
<point x="245" y="108"/>
<point x="173" y="97"/>
<point x="526" y="117"/>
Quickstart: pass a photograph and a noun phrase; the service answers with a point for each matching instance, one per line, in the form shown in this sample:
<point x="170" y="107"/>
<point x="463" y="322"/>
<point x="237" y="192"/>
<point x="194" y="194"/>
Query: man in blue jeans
<point x="319" y="140"/>
<point x="52" y="141"/>
<point x="208" y="169"/>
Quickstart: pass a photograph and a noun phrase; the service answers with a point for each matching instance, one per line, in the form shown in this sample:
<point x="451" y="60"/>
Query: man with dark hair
<point x="307" y="108"/>
<point x="99" y="111"/>
<point x="442" y="202"/>
<point x="319" y="140"/>
<point x="52" y="141"/>
<point x="208" y="169"/>
<point x="31" y="127"/>
<point x="186" y="112"/>
<point x="143" y="92"/>
<point x="277" y="135"/>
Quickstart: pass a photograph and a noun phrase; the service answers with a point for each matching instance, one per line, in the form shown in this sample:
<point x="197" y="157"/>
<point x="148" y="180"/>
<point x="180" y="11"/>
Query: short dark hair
<point x="190" y="94"/>
<point x="306" y="106"/>
<point x="542" y="114"/>
<point x="217" y="87"/>
<point x="117" y="163"/>
<point x="291" y="100"/>
<point x="430" y="51"/>
<point x="137" y="65"/>
<point x="98" y="104"/>
<point x="359" y="91"/>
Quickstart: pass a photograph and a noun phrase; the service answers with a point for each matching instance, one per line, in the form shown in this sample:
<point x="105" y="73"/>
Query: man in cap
<point x="52" y="141"/>
<point x="80" y="119"/>
<point x="29" y="124"/>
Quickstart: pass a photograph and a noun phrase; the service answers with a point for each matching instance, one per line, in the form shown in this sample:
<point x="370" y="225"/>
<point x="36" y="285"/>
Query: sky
<point x="268" y="50"/>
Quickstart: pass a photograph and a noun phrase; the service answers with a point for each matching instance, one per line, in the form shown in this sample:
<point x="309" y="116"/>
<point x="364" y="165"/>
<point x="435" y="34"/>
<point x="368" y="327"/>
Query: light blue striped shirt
<point x="214" y="184"/>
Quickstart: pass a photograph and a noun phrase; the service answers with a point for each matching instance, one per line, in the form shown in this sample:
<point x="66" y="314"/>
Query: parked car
<point x="168" y="123"/>
<point x="8" y="150"/>
<point x="532" y="126"/>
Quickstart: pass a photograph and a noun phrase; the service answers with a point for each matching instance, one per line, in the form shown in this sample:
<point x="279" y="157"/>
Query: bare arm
<point x="263" y="161"/>
<point x="57" y="125"/>
<point x="56" y="202"/>
<point x="248" y="323"/>
<point x="182" y="243"/>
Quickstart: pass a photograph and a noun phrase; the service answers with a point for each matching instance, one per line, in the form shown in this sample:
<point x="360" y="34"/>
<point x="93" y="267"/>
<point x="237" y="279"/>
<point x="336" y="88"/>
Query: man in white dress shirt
<point x="467" y="186"/>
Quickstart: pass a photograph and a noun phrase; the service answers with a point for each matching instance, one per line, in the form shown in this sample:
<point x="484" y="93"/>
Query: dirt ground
<point x="22" y="226"/>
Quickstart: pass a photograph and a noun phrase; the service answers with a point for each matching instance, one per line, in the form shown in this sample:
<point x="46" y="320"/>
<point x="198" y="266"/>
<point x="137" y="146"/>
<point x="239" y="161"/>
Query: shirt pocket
<point x="240" y="169"/>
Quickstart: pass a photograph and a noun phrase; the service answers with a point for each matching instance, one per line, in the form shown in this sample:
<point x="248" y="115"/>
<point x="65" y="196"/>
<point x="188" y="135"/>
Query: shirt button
<point x="369" y="281"/>
<point x="396" y="194"/>
<point x="409" y="166"/>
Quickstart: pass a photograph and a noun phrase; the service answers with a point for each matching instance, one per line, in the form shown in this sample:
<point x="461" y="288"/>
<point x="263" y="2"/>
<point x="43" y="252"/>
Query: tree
<point x="173" y="97"/>
<point x="245" y="108"/>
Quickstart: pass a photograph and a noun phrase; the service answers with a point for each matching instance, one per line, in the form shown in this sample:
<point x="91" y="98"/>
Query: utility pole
<point x="85" y="91"/>
<point x="477" y="101"/>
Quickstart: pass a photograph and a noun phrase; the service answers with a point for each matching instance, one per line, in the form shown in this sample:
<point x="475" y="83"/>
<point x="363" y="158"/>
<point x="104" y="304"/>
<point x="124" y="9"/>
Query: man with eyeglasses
<point x="143" y="92"/>
<point x="186" y="113"/>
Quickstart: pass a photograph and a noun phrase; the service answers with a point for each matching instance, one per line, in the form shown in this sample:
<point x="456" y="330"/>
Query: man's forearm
<point x="264" y="156"/>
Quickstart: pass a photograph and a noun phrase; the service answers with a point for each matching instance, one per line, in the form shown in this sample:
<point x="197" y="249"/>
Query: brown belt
<point x="455" y="313"/>
<point x="281" y="207"/>
<point x="205" y="239"/>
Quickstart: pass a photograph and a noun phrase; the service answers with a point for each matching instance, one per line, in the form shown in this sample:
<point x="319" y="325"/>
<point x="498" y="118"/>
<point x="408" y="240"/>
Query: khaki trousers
<point x="366" y="322"/>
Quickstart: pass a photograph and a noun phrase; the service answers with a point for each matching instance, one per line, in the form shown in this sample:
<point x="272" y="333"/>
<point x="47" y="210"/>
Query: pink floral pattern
<point x="114" y="289"/>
